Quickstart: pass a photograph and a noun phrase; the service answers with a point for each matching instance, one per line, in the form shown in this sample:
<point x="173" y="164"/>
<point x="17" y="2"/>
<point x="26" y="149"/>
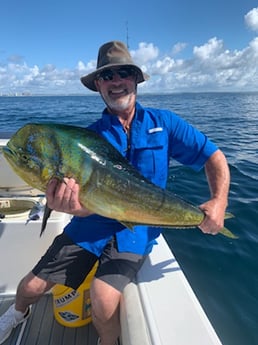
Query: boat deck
<point x="41" y="328"/>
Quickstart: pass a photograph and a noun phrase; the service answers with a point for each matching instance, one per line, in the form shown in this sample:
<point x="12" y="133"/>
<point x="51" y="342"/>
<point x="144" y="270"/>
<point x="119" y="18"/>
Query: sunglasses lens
<point x="125" y="73"/>
<point x="108" y="74"/>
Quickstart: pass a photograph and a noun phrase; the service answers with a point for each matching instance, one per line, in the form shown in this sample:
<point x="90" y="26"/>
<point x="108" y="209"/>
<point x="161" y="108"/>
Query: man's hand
<point x="214" y="211"/>
<point x="63" y="196"/>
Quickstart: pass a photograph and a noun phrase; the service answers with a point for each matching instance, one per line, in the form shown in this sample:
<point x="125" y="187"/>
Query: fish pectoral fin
<point x="47" y="213"/>
<point x="129" y="225"/>
<point x="58" y="176"/>
<point x="225" y="232"/>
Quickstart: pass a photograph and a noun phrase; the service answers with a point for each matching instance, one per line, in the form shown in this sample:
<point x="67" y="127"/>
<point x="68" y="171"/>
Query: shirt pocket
<point x="151" y="156"/>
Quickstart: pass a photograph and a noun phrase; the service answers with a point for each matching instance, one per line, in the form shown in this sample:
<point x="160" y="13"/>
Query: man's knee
<point x="104" y="300"/>
<point x="31" y="285"/>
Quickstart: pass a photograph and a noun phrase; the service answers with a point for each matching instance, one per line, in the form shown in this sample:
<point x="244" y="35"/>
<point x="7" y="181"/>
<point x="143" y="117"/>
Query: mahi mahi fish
<point x="109" y="185"/>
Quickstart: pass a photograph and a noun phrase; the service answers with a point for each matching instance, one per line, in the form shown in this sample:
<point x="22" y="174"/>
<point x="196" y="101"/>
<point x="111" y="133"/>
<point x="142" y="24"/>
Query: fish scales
<point x="109" y="184"/>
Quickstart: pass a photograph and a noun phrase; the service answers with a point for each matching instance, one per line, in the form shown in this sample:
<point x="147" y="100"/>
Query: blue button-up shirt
<point x="156" y="137"/>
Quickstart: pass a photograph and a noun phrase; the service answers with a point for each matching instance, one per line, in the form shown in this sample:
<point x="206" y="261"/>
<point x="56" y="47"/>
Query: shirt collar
<point x="110" y="120"/>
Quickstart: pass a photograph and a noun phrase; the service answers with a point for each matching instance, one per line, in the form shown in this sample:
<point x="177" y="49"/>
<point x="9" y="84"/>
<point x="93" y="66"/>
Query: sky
<point x="184" y="45"/>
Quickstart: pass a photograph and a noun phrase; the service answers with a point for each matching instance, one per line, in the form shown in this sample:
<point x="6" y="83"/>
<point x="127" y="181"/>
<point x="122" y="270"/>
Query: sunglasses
<point x="123" y="73"/>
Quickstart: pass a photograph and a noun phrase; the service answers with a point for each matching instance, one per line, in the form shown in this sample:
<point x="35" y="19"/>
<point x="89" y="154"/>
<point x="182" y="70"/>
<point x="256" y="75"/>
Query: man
<point x="148" y="138"/>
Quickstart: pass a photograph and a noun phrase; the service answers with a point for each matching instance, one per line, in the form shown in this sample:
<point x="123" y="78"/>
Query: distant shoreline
<point x="139" y="94"/>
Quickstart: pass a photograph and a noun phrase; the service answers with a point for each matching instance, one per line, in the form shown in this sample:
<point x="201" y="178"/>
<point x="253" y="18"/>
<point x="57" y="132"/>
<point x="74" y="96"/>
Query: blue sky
<point x="184" y="45"/>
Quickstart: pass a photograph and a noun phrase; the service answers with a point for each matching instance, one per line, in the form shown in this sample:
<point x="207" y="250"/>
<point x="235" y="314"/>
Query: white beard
<point x="121" y="104"/>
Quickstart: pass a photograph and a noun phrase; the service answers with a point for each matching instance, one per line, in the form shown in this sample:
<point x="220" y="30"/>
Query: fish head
<point x="32" y="155"/>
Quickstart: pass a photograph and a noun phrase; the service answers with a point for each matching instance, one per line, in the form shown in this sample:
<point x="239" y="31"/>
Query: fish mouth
<point x="7" y="151"/>
<point x="9" y="154"/>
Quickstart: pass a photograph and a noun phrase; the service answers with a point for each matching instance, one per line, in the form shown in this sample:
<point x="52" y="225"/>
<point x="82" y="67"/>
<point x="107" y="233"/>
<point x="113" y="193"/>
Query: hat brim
<point x="89" y="79"/>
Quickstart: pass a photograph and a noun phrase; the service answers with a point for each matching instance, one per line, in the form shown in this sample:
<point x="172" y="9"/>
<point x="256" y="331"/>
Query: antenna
<point x="127" y="36"/>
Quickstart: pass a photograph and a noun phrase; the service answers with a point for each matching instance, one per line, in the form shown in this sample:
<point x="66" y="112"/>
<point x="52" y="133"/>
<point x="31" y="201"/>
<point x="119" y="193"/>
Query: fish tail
<point x="226" y="232"/>
<point x="229" y="215"/>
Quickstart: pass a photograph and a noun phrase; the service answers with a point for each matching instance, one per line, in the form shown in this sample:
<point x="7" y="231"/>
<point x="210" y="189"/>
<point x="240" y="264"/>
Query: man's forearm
<point x="218" y="176"/>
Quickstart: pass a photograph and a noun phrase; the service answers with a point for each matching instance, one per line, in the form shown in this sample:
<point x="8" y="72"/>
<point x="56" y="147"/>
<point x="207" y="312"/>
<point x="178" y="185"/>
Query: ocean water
<point x="222" y="272"/>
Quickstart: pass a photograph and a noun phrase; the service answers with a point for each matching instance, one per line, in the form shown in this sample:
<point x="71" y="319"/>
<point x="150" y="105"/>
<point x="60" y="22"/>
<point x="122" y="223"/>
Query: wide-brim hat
<point x="112" y="54"/>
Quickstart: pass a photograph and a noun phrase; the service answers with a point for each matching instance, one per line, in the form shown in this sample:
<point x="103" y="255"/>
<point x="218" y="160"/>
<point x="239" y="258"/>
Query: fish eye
<point x="24" y="157"/>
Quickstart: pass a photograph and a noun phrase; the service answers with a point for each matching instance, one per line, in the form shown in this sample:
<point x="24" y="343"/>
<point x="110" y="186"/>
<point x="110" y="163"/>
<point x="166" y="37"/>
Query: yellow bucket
<point x="72" y="308"/>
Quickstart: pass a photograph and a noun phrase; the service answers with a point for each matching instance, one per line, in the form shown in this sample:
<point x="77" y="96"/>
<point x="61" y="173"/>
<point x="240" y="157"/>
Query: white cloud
<point x="209" y="50"/>
<point x="86" y="68"/>
<point x="145" y="53"/>
<point x="19" y="78"/>
<point x="211" y="67"/>
<point x="178" y="48"/>
<point x="251" y="19"/>
<point x="163" y="66"/>
<point x="254" y="46"/>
